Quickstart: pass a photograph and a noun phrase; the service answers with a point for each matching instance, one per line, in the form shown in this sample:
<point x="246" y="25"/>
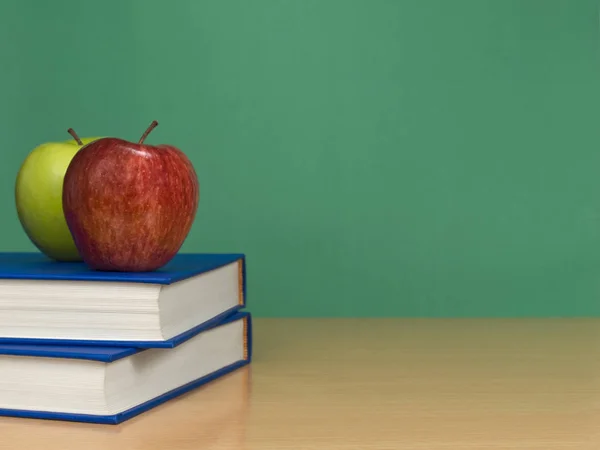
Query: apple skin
<point x="38" y="198"/>
<point x="129" y="206"/>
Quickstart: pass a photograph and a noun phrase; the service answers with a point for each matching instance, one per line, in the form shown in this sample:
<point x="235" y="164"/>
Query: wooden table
<point x="375" y="384"/>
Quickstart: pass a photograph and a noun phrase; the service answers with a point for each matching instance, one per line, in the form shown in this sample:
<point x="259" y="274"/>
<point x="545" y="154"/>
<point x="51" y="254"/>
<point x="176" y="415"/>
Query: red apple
<point x="129" y="206"/>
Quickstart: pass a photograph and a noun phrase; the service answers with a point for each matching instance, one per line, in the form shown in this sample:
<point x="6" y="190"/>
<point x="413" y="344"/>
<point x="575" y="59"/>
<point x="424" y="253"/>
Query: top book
<point x="42" y="301"/>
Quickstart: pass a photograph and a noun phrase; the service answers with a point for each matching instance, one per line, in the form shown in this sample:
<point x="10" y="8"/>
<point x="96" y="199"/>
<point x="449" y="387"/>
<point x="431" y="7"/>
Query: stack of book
<point x="82" y="345"/>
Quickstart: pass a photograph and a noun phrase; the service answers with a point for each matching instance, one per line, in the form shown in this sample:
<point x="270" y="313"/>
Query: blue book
<point x="46" y="302"/>
<point x="110" y="385"/>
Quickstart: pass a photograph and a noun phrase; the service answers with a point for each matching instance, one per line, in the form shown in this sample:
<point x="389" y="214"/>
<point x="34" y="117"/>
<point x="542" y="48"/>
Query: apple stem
<point x="147" y="132"/>
<point x="71" y="131"/>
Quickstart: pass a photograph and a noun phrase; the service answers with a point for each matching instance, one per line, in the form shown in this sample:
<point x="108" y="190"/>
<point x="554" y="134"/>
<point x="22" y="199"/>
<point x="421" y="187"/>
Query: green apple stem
<point x="71" y="131"/>
<point x="147" y="132"/>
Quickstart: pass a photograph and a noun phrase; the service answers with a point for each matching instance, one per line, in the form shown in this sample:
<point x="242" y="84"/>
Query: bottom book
<point x="111" y="385"/>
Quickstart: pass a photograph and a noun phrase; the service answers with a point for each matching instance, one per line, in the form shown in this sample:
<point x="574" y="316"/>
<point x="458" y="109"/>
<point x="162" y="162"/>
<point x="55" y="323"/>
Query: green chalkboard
<point x="371" y="157"/>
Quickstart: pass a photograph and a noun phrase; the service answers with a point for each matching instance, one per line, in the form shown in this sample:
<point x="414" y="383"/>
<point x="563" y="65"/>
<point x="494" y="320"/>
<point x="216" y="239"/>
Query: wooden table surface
<point x="370" y="384"/>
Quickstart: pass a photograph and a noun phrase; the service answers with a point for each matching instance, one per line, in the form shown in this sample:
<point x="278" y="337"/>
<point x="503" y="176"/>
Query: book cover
<point x="35" y="266"/>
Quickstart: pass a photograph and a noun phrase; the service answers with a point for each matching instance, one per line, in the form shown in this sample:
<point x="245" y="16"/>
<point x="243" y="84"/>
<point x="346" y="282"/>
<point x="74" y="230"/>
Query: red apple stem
<point x="71" y="131"/>
<point x="147" y="132"/>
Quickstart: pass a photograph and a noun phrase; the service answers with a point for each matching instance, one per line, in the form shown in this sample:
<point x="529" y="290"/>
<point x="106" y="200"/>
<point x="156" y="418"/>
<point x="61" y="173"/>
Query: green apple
<point x="38" y="197"/>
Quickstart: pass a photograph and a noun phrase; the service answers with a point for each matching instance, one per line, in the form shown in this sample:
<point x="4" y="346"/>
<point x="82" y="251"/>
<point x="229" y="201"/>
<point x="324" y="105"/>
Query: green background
<point x="372" y="158"/>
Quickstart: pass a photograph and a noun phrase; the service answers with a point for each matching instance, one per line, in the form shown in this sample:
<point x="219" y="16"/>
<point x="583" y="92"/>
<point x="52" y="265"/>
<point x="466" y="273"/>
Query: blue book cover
<point x="109" y="355"/>
<point x="35" y="266"/>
